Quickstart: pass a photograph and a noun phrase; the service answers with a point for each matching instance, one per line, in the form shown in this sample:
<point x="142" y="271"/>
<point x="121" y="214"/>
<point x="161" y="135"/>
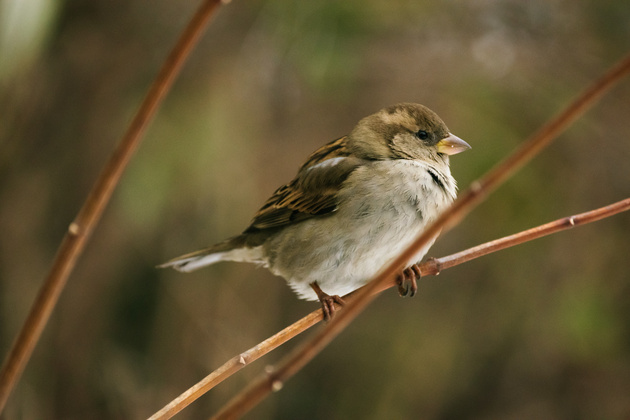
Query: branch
<point x="274" y="379"/>
<point x="83" y="225"/>
<point x="434" y="266"/>
<point x="431" y="267"/>
<point x="235" y="364"/>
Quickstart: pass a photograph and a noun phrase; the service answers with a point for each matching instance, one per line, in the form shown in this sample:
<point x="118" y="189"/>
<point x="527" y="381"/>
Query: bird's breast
<point x="411" y="191"/>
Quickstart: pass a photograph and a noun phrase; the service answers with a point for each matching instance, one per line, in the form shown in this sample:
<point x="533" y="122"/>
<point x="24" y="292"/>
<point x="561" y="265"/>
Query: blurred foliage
<point x="540" y="331"/>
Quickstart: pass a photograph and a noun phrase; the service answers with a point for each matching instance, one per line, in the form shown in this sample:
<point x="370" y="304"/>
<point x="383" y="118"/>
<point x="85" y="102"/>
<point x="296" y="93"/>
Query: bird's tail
<point x="233" y="249"/>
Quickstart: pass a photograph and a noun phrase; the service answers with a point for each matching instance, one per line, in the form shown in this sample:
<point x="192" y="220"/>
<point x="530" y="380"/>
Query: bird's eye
<point x="422" y="135"/>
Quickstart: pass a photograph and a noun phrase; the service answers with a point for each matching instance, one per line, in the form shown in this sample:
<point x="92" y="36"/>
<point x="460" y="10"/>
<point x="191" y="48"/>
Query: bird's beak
<point x="452" y="145"/>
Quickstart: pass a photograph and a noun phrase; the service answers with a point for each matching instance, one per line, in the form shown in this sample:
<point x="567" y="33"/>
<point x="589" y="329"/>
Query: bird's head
<point x="404" y="131"/>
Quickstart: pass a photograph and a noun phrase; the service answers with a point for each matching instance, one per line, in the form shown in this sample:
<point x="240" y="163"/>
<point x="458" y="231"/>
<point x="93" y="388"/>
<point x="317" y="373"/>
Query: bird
<point x="354" y="205"/>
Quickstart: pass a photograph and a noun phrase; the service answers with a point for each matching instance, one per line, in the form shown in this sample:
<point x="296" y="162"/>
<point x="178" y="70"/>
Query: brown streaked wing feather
<point x="336" y="148"/>
<point x="312" y="193"/>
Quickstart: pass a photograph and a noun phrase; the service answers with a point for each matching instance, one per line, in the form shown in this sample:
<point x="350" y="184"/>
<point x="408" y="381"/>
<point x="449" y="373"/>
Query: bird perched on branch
<point x="354" y="206"/>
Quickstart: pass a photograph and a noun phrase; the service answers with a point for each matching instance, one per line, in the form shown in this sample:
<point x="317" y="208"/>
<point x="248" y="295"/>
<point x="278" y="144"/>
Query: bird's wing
<point x="312" y="193"/>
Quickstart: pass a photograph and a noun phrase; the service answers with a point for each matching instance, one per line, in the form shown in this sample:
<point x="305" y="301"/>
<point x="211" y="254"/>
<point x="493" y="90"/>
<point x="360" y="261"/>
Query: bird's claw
<point x="407" y="281"/>
<point x="328" y="302"/>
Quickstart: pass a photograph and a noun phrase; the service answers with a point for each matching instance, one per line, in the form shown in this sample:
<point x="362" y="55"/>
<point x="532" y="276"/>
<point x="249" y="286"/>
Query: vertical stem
<point x="81" y="228"/>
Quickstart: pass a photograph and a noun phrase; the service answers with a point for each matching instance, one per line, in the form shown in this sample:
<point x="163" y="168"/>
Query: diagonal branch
<point x="235" y="364"/>
<point x="275" y="379"/>
<point x="83" y="225"/>
<point x="431" y="267"/>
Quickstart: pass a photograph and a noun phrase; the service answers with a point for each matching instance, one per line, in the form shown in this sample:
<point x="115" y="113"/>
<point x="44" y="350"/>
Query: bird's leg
<point x="327" y="301"/>
<point x="407" y="281"/>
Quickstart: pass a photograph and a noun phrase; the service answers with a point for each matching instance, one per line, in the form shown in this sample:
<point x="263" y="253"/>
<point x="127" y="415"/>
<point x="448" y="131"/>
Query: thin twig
<point x="434" y="266"/>
<point x="274" y="379"/>
<point x="83" y="225"/>
<point x="235" y="364"/>
<point x="431" y="267"/>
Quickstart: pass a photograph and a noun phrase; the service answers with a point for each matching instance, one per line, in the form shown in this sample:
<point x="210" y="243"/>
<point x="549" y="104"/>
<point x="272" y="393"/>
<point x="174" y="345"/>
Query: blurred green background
<point x="538" y="331"/>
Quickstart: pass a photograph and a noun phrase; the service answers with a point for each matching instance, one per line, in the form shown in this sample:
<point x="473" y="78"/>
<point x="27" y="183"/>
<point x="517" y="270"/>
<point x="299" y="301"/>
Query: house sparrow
<point x="354" y="206"/>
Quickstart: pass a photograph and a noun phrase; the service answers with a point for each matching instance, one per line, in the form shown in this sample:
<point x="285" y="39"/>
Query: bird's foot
<point x="407" y="281"/>
<point x="328" y="302"/>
